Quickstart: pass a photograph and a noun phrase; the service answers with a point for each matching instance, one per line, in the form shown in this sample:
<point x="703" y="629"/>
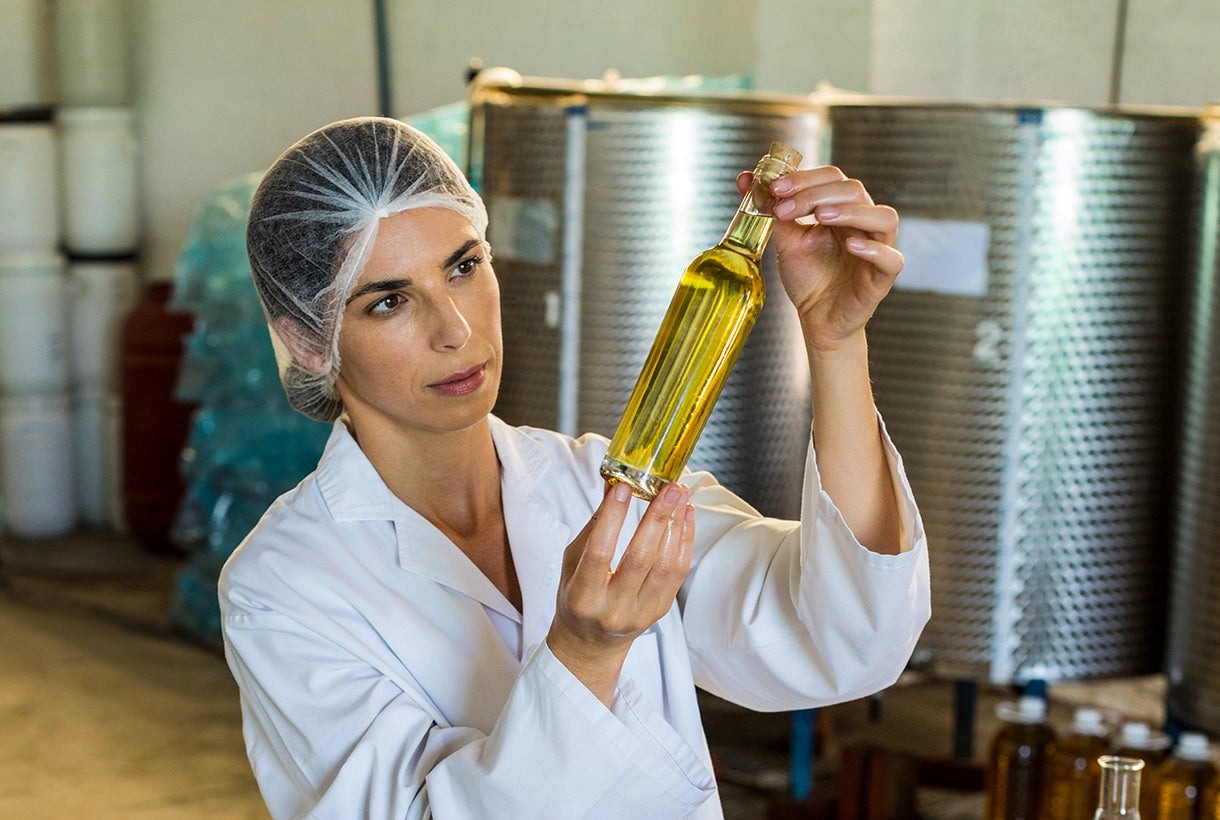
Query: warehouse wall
<point x="223" y="85"/>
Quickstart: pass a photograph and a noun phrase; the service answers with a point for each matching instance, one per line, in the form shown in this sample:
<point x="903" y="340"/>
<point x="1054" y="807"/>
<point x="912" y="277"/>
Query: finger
<point x="655" y="528"/>
<point x="744" y="180"/>
<point x="671" y="564"/>
<point x="808" y="178"/>
<point x="802" y="201"/>
<point x="601" y="536"/>
<point x="880" y="222"/>
<point x="886" y="259"/>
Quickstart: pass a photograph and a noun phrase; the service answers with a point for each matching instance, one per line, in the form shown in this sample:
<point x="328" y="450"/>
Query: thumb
<point x="744" y="180"/>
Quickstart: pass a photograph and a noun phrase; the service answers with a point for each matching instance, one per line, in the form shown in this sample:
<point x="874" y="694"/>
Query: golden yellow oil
<point x="1074" y="776"/>
<point x="1181" y="788"/>
<point x="1015" y="774"/>
<point x="717" y="301"/>
<point x="709" y="318"/>
<point x="1150" y="787"/>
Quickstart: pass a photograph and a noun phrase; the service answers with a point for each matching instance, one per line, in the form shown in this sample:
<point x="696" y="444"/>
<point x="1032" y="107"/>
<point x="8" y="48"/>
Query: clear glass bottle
<point x="1119" y="795"/>
<point x="1073" y="773"/>
<point x="1184" y="776"/>
<point x="712" y="311"/>
<point x="1140" y="741"/>
<point x="1016" y="764"/>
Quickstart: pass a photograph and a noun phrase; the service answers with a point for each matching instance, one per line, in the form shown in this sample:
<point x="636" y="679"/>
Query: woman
<point x="455" y="618"/>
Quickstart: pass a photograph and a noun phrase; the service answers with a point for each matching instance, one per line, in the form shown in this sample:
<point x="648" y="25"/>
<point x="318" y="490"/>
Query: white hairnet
<point x="312" y="225"/>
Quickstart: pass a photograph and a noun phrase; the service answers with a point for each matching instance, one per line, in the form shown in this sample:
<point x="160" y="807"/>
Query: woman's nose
<point x="452" y="329"/>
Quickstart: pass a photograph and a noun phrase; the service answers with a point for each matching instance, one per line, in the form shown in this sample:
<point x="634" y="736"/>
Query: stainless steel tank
<point x="598" y="199"/>
<point x="1025" y="367"/>
<point x="1193" y="662"/>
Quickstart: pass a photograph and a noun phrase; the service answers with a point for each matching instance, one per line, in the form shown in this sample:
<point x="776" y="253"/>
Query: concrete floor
<point x="106" y="715"/>
<point x="107" y="712"/>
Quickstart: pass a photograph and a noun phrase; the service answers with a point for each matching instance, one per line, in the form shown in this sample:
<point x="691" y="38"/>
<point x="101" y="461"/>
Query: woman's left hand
<point x="837" y="270"/>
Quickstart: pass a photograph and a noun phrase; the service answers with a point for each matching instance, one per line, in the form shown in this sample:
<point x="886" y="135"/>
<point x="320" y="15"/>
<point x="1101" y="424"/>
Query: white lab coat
<point x="383" y="676"/>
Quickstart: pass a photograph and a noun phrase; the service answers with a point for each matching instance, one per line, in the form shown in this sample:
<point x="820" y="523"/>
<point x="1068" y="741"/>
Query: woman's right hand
<point x="601" y="610"/>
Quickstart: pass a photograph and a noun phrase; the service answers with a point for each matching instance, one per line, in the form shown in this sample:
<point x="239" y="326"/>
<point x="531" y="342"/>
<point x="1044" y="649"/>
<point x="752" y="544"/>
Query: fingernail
<point x="784" y="208"/>
<point x="855" y="243"/>
<point x="826" y="212"/>
<point x="672" y="493"/>
<point x="781" y="186"/>
<point x="621" y="492"/>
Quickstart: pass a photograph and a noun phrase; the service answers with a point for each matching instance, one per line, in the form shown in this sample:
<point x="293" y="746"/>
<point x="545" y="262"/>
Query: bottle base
<point x="643" y="485"/>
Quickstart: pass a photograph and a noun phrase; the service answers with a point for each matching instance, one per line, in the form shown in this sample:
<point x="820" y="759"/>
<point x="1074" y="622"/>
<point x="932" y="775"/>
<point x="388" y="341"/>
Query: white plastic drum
<point x="33" y="323"/>
<point x="36" y="465"/>
<point x="95" y="430"/>
<point x="98" y="152"/>
<point x="91" y="52"/>
<point x="25" y="49"/>
<point x="29" y="187"/>
<point x="102" y="293"/>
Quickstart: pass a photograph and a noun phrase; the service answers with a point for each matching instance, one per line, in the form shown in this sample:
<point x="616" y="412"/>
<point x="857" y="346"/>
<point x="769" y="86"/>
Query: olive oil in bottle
<point x="1016" y="765"/>
<point x="1072" y="772"/>
<point x="1139" y="740"/>
<point x="717" y="301"/>
<point x="1184" y="778"/>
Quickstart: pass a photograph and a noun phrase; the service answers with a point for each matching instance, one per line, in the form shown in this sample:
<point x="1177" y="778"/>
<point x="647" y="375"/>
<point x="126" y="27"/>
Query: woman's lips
<point x="459" y="384"/>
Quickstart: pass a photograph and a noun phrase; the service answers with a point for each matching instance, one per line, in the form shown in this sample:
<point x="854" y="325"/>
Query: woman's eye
<point x="387" y="304"/>
<point x="467" y="266"/>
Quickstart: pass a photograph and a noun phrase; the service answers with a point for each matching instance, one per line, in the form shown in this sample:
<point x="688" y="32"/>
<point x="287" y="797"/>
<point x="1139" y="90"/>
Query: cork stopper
<point x="781" y="159"/>
<point x="785" y="154"/>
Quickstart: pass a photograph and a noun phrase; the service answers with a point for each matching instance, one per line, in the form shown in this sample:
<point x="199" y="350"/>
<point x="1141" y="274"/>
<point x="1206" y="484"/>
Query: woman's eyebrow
<point x="457" y="255"/>
<point x="384" y="285"/>
<point x="380" y="286"/>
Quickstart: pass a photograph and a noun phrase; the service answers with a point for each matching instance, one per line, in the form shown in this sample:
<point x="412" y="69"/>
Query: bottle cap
<point x="1088" y="721"/>
<point x="1138" y="735"/>
<point x="1029" y="709"/>
<point x="1135" y="733"/>
<point x="1193" y="746"/>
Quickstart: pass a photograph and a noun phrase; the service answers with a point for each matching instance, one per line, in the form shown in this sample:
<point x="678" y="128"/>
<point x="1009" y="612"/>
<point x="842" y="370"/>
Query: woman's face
<point x="420" y="345"/>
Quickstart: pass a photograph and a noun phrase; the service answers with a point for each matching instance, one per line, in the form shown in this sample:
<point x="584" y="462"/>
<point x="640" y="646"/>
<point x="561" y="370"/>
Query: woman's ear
<point x="302" y="344"/>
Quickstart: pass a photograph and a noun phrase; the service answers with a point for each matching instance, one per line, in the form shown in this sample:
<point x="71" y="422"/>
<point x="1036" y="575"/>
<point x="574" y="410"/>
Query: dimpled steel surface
<point x="658" y="189"/>
<point x="525" y="153"/>
<point x="1193" y="662"/>
<point x="1035" y="418"/>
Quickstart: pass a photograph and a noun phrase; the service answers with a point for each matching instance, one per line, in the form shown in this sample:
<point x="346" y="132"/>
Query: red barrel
<point x="155" y="424"/>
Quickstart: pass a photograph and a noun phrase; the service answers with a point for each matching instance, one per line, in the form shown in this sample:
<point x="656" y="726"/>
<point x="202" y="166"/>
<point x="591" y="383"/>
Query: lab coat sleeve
<point x="781" y="615"/>
<point x="329" y="736"/>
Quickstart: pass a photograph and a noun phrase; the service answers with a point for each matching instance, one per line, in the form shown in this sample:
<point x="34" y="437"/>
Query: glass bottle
<point x="1209" y="805"/>
<point x="1138" y="740"/>
<point x="1183" y="778"/>
<point x="1119" y="795"/>
<point x="712" y="311"/>
<point x="1016" y="765"/>
<point x="1073" y="773"/>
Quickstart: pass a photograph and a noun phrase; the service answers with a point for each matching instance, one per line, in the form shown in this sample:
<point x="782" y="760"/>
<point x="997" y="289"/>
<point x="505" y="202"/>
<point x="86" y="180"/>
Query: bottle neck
<point x="751" y="227"/>
<point x="1120" y="788"/>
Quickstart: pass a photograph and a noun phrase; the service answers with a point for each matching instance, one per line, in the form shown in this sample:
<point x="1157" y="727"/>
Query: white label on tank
<point x="523" y="229"/>
<point x="551" y="303"/>
<point x="944" y="256"/>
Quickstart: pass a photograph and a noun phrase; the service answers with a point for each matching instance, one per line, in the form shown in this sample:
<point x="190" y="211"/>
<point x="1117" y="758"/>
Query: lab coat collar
<point x="349" y="483"/>
<point x="354" y="491"/>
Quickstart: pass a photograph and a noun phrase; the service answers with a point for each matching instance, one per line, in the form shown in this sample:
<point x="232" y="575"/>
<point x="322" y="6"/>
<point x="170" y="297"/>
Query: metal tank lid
<point x="1209" y="141"/>
<point x="830" y="97"/>
<point x="502" y="85"/>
